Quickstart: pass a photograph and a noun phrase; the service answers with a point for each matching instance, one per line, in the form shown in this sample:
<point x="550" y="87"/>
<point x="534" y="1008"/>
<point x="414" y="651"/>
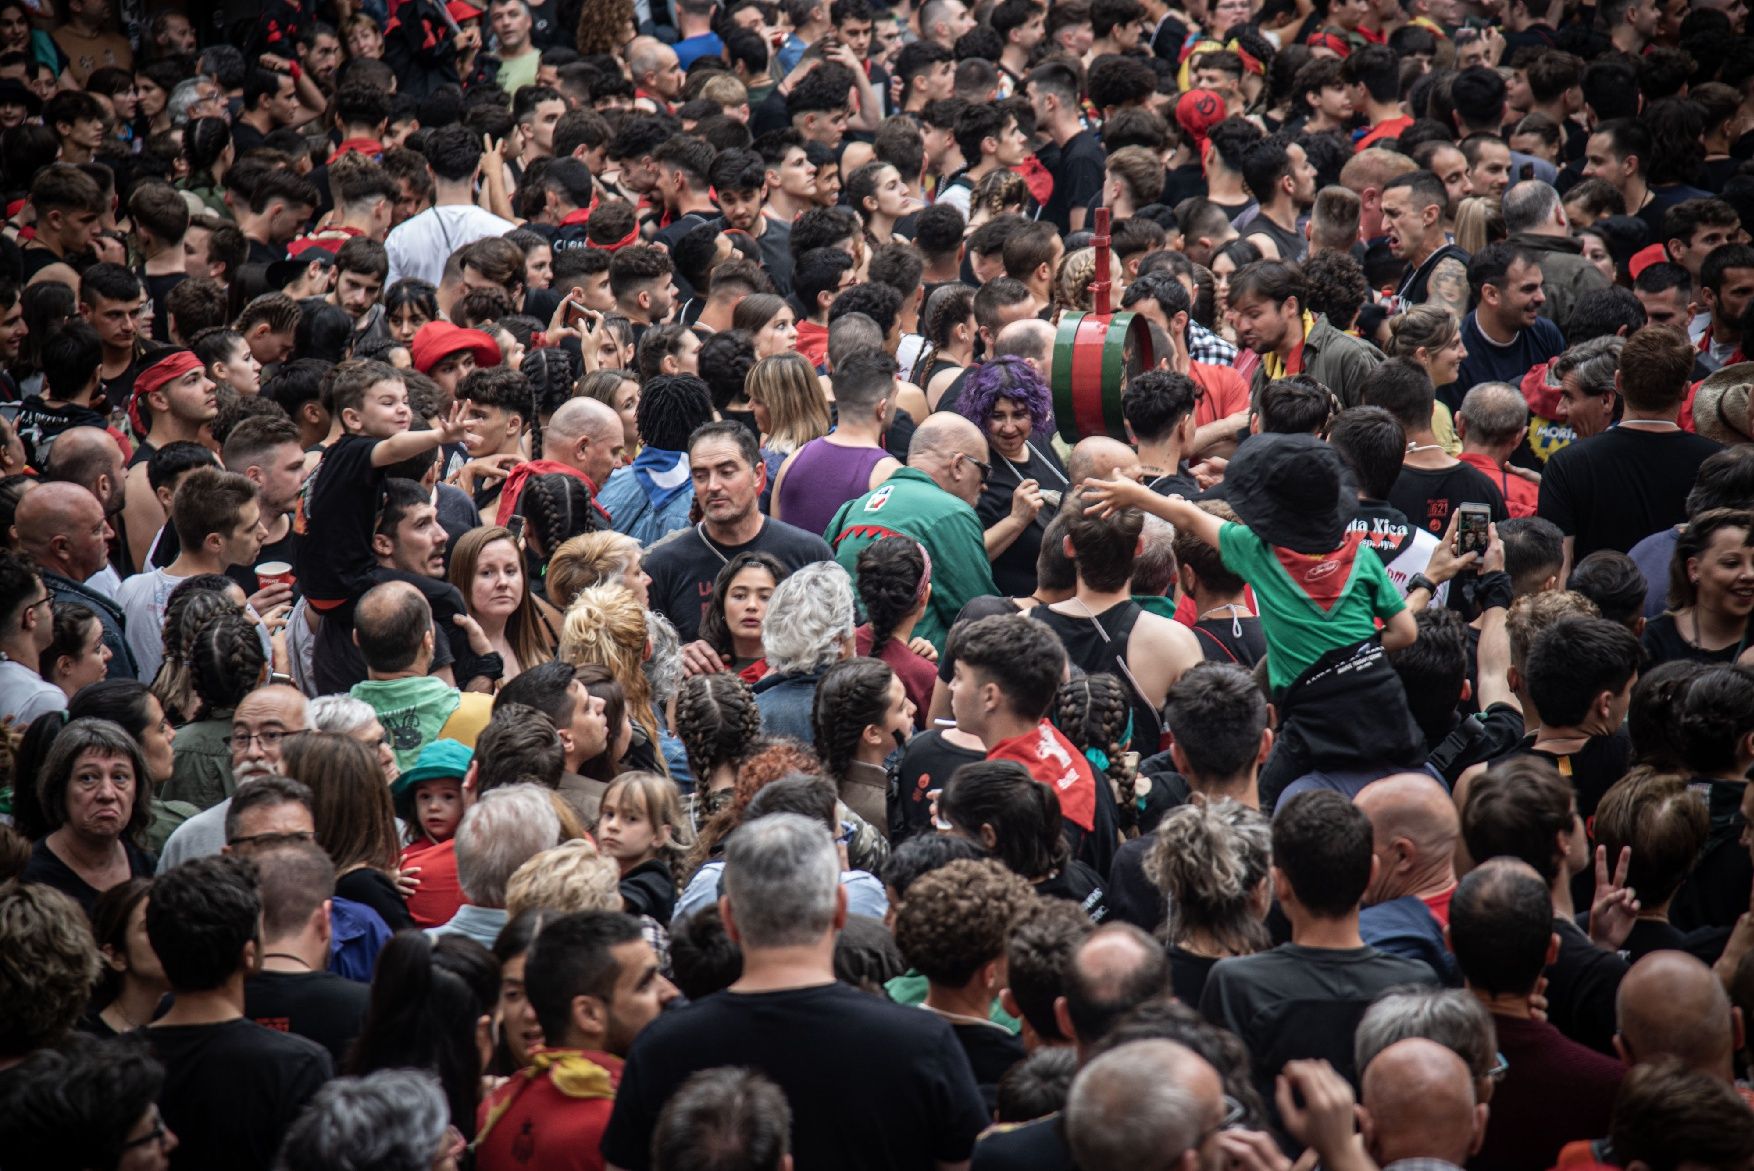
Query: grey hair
<point x="1154" y="569"/>
<point x="185" y="94"/>
<point x="850" y="332"/>
<point x="499" y="833"/>
<point x="1528" y="205"/>
<point x="726" y="1117"/>
<point x="107" y="739"/>
<point x="1495" y="411"/>
<point x="1449" y="1016"/>
<point x="809" y="619"/>
<point x="781" y="876"/>
<point x="1208" y="859"/>
<point x="663" y="667"/>
<point x="340" y="714"/>
<point x="1124" y="1114"/>
<point x="1592" y="363"/>
<point x="391" y="1120"/>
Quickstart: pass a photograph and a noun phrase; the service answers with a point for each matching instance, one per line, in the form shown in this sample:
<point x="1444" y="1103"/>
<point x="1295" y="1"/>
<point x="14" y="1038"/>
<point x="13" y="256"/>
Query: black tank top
<point x="1099" y="646"/>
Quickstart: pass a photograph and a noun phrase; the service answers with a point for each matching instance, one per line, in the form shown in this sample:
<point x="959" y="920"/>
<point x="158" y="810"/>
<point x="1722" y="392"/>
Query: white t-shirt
<point x="25" y="695"/>
<point x="142" y="598"/>
<point x="420" y="246"/>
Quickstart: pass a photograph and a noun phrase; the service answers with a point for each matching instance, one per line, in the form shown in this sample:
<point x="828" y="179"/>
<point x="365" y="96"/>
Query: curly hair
<point x="600" y="25"/>
<point x="191" y="604"/>
<point x="850" y="697"/>
<point x="563" y="879"/>
<point x="587" y="560"/>
<point x="717" y="722"/>
<point x="956" y="919"/>
<point x="1208" y="859"/>
<point x="606" y="626"/>
<point x="1095" y="714"/>
<point x="524" y="629"/>
<point x="713" y="627"/>
<point x="809" y="619"/>
<point x="1072" y="281"/>
<point x="46" y="969"/>
<point x="226" y="662"/>
<point x="1037" y="954"/>
<point x="557" y="508"/>
<point x="892" y="578"/>
<point x="766" y="762"/>
<point x="1012" y="378"/>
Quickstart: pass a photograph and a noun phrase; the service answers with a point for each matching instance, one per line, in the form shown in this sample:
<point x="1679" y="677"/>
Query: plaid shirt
<point x="1206" y="346"/>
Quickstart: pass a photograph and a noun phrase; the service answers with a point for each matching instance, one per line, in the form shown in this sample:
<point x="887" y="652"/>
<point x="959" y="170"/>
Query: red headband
<point x="631" y="238"/>
<point x="166" y="369"/>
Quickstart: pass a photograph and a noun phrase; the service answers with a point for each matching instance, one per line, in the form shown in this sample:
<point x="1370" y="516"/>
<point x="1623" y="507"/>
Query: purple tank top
<point x="824" y="476"/>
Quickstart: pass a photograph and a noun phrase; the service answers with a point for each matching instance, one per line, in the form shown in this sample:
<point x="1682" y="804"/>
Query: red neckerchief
<point x="576" y="216"/>
<point x="1705" y="347"/>
<point x="371" y="148"/>
<point x="1052" y="761"/>
<point x="514" y="486"/>
<point x="1322" y="576"/>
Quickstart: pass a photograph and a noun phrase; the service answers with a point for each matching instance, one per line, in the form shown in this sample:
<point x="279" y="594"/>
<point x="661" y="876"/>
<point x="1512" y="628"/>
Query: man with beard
<point x="262" y="720"/>
<point x="593" y="984"/>
<point x="1726" y="286"/>
<point x="740" y="179"/>
<point x="266" y="451"/>
<point x="728" y="476"/>
<point x="1267" y="299"/>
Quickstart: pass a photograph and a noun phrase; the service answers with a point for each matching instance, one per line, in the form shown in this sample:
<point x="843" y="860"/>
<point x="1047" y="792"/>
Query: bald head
<point x="585" y="434"/>
<point x="1139" y="1102"/>
<point x="391" y="625"/>
<point x="1419" y="1103"/>
<point x="1116" y="968"/>
<point x="62" y="526"/>
<point x="1099" y="458"/>
<point x="1031" y="339"/>
<point x="275" y="708"/>
<point x="1413" y="821"/>
<point x="91" y="458"/>
<point x="943" y="447"/>
<point x="1671" y="1005"/>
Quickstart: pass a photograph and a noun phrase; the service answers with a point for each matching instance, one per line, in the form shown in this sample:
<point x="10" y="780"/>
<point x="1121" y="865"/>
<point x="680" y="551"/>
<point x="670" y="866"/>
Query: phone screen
<point x="515" y="523"/>
<point x="1471" y="532"/>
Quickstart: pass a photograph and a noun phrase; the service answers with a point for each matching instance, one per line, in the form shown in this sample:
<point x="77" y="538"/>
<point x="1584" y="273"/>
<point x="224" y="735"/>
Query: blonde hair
<point x="1478" y="223"/>
<point x="1427" y="327"/>
<point x="661" y="803"/>
<point x="587" y="560"/>
<point x="569" y="877"/>
<point x="606" y="626"/>
<point x="1072" y="282"/>
<point x="524" y="630"/>
<point x="797" y="411"/>
<point x="725" y="90"/>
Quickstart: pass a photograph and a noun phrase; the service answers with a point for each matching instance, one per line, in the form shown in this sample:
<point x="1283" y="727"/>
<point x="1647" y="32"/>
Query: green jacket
<point x="1335" y="359"/>
<point x="910" y="504"/>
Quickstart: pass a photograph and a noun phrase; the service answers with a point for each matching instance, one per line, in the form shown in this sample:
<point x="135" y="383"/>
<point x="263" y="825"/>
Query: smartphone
<point x="575" y="311"/>
<point x="1471" y="531"/>
<point x="515" y="524"/>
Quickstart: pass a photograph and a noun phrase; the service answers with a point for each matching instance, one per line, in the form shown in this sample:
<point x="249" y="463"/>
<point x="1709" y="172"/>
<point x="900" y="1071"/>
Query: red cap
<point x="437" y="340"/>
<point x="1197" y="111"/>
<point x="1645" y="257"/>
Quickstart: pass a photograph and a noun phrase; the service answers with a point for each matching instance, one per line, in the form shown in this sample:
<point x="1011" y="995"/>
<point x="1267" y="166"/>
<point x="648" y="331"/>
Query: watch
<point x="1420" y="582"/>
<point x="280" y="677"/>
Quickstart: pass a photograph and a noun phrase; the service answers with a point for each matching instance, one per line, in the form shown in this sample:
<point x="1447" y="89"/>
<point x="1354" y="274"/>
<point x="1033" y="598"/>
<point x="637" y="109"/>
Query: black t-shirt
<point x="1188" y="972"/>
<point x="321" y="1006"/>
<point x="685" y="566"/>
<point x="1014" y="569"/>
<point x="157" y="289"/>
<point x="926" y="764"/>
<point x="373" y="888"/>
<point x="1429" y="497"/>
<point x="232" y="1090"/>
<point x="1715" y="891"/>
<point x="1591" y="770"/>
<point x="1612" y="490"/>
<point x="285" y="549"/>
<point x="649" y="889"/>
<point x="1177" y="483"/>
<point x="336" y="563"/>
<point x="1078" y="883"/>
<point x="1077" y="178"/>
<point x="1131" y="896"/>
<point x="119" y="390"/>
<point x="871" y="1084"/>
<point x="38" y="424"/>
<point x="338" y="664"/>
<point x="1582" y="983"/>
<point x="992" y="1050"/>
<point x="38" y="258"/>
<point x="1034" y="1146"/>
<point x="1183" y="182"/>
<point x="46" y="868"/>
<point x="1290" y="244"/>
<point x="1664" y="643"/>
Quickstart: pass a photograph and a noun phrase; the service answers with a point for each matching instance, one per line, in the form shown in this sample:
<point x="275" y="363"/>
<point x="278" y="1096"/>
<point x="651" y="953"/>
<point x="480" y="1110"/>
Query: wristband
<point x="490" y="665"/>
<point x="1494" y="591"/>
<point x="1420" y="582"/>
<point x="293" y="68"/>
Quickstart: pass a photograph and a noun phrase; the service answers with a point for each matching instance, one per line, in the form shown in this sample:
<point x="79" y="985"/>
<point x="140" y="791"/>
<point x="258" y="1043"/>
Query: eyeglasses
<point x="1500" y="1067"/>
<point x="985" y="467"/>
<point x="156" y="1135"/>
<point x="268" y="738"/>
<point x="285" y="838"/>
<point x="1235" y="1114"/>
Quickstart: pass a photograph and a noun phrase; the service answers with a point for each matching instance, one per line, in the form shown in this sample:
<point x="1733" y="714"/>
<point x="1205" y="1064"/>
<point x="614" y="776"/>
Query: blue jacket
<point x="785" y="702"/>
<point x="109" y="615"/>
<point x="631" y="511"/>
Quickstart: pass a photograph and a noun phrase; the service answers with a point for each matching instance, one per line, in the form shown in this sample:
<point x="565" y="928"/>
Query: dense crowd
<point x="1116" y="585"/>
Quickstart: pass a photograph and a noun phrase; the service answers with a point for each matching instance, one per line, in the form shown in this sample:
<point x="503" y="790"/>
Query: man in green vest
<point x="931" y="500"/>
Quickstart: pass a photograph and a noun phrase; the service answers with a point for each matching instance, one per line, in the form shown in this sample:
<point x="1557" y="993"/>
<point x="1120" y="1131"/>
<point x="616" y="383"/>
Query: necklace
<point x="1236" y="611"/>
<point x="700" y="531"/>
<point x="1668" y="423"/>
<point x="286" y="955"/>
<point x="1413" y="447"/>
<point x="115" y="1006"/>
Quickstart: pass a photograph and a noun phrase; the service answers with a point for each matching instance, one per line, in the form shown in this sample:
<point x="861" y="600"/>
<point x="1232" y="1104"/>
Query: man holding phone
<point x="1433" y="484"/>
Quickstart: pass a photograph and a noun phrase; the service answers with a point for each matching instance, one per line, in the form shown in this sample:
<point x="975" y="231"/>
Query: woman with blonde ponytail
<point x="606" y="627"/>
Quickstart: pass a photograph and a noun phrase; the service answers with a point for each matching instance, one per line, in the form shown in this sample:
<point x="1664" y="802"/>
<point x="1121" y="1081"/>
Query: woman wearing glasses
<point x="96" y="800"/>
<point x="1007" y="399"/>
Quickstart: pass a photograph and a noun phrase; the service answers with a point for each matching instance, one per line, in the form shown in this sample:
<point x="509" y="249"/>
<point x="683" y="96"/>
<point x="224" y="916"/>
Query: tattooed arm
<point x="1448" y="287"/>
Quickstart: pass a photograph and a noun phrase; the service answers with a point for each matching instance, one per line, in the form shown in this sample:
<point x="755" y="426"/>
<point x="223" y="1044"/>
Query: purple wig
<point x="1008" y="377"/>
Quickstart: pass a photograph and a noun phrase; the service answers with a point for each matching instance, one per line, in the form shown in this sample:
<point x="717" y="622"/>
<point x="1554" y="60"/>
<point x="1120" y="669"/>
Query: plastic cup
<point x="269" y="572"/>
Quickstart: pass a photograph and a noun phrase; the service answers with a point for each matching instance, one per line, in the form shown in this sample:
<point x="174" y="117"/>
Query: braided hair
<point x="850" y="697"/>
<point x="556" y="507"/>
<point x="1092" y="712"/>
<point x="191" y="605"/>
<point x="948" y="307"/>
<point x="552" y="372"/>
<point x="888" y="573"/>
<point x="226" y="661"/>
<point x="716" y="720"/>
